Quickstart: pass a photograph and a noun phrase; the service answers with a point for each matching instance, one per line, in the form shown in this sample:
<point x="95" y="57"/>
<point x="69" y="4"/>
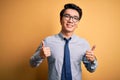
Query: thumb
<point x="43" y="43"/>
<point x="93" y="48"/>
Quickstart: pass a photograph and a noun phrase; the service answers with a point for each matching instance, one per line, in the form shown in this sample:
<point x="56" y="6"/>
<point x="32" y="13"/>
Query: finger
<point x="48" y="54"/>
<point x="93" y="48"/>
<point x="88" y="55"/>
<point x="88" y="51"/>
<point x="47" y="48"/>
<point x="43" y="43"/>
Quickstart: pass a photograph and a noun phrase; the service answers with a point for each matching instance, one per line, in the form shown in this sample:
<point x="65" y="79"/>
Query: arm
<point x="41" y="53"/>
<point x="35" y="60"/>
<point x="90" y="66"/>
<point x="89" y="60"/>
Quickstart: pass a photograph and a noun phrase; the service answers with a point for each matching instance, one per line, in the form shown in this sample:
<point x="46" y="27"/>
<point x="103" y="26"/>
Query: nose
<point x="70" y="19"/>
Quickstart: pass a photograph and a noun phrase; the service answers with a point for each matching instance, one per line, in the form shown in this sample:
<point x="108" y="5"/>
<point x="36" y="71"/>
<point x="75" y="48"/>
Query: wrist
<point x="42" y="55"/>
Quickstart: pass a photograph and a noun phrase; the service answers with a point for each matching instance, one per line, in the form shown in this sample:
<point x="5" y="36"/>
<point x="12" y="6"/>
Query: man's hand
<point x="45" y="51"/>
<point x="90" y="55"/>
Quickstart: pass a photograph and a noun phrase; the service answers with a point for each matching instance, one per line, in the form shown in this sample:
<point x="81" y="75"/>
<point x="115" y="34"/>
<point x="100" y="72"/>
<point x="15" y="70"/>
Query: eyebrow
<point x="72" y="16"/>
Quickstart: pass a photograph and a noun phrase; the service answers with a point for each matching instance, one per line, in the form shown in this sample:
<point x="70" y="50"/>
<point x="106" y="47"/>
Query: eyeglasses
<point x="68" y="17"/>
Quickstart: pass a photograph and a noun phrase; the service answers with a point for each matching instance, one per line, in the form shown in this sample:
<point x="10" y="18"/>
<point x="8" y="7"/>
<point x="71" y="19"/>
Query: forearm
<point x="90" y="66"/>
<point x="35" y="60"/>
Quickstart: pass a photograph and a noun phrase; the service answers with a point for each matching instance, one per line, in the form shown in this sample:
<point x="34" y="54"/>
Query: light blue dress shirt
<point x="77" y="46"/>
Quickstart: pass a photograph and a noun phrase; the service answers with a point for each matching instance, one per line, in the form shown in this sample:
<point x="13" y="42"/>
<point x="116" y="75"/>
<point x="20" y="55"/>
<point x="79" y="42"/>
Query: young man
<point x="65" y="51"/>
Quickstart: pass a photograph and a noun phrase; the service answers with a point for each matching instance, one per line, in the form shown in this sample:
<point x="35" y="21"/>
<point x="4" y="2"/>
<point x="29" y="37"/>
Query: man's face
<point x="69" y="20"/>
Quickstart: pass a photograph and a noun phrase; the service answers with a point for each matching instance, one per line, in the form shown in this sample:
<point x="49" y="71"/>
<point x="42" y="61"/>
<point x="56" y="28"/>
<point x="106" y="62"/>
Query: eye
<point x="76" y="18"/>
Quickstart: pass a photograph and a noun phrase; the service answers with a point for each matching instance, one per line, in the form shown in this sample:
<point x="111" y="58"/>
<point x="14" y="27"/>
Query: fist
<point x="90" y="55"/>
<point x="45" y="51"/>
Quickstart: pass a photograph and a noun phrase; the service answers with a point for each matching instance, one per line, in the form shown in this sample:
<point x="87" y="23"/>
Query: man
<point x="65" y="51"/>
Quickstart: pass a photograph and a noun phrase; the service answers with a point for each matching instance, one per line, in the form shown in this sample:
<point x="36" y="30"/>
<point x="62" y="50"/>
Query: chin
<point x="69" y="30"/>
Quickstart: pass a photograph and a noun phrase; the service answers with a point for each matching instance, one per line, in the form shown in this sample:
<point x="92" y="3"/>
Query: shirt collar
<point x="62" y="36"/>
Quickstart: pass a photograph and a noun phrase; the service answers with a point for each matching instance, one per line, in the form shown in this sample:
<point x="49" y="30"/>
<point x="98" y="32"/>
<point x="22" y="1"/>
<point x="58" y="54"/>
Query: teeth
<point x="70" y="25"/>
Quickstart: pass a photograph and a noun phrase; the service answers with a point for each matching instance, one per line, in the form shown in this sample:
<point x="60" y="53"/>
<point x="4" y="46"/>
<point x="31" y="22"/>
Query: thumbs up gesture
<point x="90" y="55"/>
<point x="45" y="51"/>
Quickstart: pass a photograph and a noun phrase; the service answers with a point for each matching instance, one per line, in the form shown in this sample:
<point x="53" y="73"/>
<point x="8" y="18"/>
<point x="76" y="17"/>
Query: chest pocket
<point x="76" y="54"/>
<point x="56" y="53"/>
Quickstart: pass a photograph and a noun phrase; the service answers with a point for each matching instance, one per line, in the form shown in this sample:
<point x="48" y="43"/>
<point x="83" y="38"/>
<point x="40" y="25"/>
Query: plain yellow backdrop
<point x="24" y="23"/>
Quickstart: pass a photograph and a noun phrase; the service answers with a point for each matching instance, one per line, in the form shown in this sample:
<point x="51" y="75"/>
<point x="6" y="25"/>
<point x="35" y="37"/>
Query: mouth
<point x="69" y="25"/>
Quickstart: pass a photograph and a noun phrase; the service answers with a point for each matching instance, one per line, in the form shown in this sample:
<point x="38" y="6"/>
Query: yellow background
<point x="24" y="23"/>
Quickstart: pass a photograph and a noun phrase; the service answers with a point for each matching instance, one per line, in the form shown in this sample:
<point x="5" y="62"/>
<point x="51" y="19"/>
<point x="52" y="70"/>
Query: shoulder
<point x="50" y="38"/>
<point x="81" y="41"/>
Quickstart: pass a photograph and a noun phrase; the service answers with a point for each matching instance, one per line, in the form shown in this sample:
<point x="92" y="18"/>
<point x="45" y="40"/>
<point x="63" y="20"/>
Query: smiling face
<point x="69" y="21"/>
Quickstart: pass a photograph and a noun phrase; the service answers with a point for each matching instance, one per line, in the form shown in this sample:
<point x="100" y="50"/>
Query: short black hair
<point x="71" y="6"/>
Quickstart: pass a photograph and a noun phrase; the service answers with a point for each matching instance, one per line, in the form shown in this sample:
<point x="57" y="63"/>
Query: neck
<point x="67" y="34"/>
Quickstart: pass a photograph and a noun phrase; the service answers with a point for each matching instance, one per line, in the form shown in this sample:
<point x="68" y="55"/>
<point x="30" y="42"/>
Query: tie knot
<point x="67" y="40"/>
